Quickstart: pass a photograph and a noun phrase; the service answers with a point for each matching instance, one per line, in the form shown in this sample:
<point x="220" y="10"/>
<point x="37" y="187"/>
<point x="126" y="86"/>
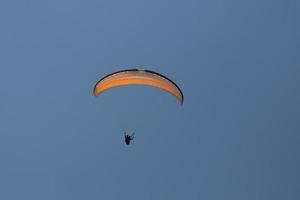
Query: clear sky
<point x="236" y="136"/>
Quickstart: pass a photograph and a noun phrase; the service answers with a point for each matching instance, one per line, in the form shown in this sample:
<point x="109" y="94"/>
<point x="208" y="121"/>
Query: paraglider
<point x="137" y="77"/>
<point x="128" y="138"/>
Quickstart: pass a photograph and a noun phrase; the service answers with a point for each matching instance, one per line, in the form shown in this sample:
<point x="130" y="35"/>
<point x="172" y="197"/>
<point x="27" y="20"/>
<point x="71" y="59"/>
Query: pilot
<point x="128" y="138"/>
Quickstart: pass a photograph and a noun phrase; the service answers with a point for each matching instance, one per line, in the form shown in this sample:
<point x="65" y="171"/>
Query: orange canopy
<point x="138" y="77"/>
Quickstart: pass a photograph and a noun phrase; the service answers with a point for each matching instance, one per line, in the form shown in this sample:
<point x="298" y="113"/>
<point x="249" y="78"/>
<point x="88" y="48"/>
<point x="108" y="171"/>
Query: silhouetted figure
<point x="128" y="138"/>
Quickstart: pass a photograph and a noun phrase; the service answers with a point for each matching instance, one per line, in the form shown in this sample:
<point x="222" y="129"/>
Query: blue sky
<point x="235" y="137"/>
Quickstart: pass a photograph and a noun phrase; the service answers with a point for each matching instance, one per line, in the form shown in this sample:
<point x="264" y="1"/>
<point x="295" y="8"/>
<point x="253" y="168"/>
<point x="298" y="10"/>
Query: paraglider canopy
<point x="138" y="77"/>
